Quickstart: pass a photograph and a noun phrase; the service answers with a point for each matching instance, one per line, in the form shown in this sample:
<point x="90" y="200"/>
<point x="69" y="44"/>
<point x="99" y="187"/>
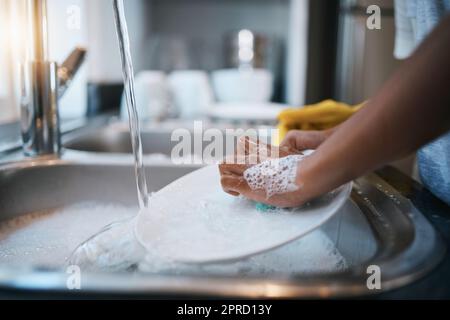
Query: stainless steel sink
<point x="115" y="138"/>
<point x="33" y="186"/>
<point x="376" y="227"/>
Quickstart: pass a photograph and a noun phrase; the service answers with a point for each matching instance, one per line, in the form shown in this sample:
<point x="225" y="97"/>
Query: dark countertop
<point x="435" y="285"/>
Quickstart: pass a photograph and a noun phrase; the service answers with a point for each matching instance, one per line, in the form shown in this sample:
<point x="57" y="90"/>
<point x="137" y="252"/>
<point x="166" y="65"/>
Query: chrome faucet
<point x="42" y="84"/>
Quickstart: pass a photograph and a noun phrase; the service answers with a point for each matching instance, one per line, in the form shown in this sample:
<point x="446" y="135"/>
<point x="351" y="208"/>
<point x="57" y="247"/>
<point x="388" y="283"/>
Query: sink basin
<point x="115" y="138"/>
<point x="58" y="183"/>
<point x="376" y="227"/>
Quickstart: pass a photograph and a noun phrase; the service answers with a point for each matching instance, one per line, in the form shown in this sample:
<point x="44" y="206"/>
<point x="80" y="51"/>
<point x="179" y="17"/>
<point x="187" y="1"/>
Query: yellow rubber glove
<point x="321" y="116"/>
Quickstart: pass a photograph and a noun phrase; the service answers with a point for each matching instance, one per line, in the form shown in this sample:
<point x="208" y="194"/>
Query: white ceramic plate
<point x="264" y="112"/>
<point x="192" y="220"/>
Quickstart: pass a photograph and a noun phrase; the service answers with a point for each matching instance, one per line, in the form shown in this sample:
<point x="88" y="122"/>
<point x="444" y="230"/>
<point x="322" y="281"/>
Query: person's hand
<point x="303" y="140"/>
<point x="250" y="153"/>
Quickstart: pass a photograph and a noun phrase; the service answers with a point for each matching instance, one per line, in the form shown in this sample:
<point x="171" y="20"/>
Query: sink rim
<point x="114" y="138"/>
<point x="424" y="255"/>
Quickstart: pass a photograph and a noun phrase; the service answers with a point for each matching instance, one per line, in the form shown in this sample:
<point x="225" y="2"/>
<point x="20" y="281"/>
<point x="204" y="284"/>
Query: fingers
<point x="302" y="140"/>
<point x="249" y="153"/>
<point x="292" y="138"/>
<point x="236" y="186"/>
<point x="233" y="184"/>
<point x="285" y="200"/>
<point x="234" y="165"/>
<point x="256" y="151"/>
<point x="232" y="169"/>
<point x="246" y="145"/>
<point x="285" y="151"/>
<point x="289" y="139"/>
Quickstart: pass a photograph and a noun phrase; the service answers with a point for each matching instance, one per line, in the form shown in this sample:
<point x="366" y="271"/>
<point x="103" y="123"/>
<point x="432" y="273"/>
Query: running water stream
<point x="115" y="246"/>
<point x="128" y="79"/>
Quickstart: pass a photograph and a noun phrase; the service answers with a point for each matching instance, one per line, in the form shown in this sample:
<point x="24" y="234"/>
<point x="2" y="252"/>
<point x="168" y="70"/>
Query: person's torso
<point x="415" y="19"/>
<point x="434" y="167"/>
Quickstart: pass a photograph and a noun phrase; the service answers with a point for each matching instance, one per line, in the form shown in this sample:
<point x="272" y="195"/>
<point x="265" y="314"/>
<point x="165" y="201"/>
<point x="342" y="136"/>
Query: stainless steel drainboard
<point x="376" y="227"/>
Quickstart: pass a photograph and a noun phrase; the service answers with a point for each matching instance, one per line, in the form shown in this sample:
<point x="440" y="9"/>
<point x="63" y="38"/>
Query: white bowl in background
<point x="243" y="85"/>
<point x="152" y="95"/>
<point x="247" y="112"/>
<point x="191" y="92"/>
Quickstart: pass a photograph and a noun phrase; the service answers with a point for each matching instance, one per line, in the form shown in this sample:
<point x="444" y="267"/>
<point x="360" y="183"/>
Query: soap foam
<point x="274" y="176"/>
<point x="313" y="253"/>
<point x="48" y="238"/>
<point x="114" y="248"/>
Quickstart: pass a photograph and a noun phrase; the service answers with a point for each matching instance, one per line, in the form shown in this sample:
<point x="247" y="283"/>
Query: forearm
<point x="410" y="110"/>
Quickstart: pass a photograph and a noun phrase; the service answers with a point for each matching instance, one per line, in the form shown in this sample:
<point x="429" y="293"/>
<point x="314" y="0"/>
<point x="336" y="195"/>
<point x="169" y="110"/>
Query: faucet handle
<point x="69" y="68"/>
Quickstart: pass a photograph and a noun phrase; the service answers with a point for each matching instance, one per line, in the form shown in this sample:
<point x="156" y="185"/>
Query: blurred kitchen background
<point x="306" y="51"/>
<point x="240" y="60"/>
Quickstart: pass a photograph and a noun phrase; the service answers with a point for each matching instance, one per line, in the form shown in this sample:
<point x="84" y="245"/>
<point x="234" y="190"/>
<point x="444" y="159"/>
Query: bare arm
<point x="411" y="109"/>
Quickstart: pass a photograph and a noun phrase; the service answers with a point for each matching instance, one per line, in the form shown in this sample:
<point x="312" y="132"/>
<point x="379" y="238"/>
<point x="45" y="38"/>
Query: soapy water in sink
<point x="47" y="239"/>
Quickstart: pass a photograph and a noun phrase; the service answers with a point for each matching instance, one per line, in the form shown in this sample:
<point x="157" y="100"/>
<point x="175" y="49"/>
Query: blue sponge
<point x="263" y="207"/>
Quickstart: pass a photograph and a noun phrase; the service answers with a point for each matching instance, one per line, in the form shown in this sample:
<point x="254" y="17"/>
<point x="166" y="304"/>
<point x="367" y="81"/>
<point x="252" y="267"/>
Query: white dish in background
<point x="191" y="91"/>
<point x="262" y="112"/>
<point x="247" y="85"/>
<point x="193" y="221"/>
<point x="152" y="95"/>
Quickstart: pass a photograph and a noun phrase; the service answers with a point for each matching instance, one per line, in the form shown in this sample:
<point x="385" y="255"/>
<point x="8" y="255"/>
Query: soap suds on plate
<point x="274" y="176"/>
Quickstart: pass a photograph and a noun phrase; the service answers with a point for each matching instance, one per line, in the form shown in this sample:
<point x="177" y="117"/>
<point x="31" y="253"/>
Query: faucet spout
<point x="42" y="84"/>
<point x="69" y="68"/>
